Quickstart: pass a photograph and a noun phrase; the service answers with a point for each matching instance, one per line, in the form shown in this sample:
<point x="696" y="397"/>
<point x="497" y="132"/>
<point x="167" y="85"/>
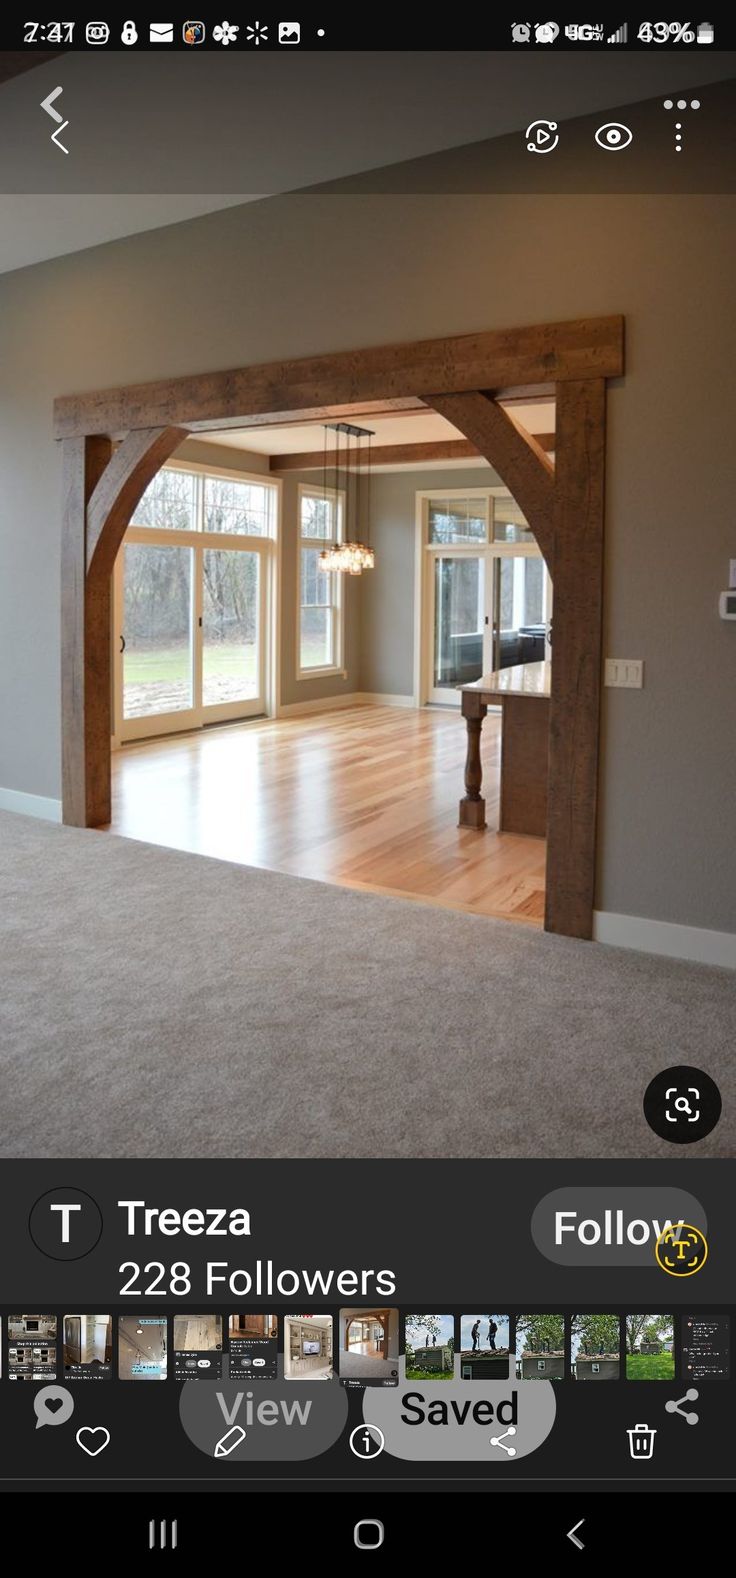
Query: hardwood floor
<point x="364" y="796"/>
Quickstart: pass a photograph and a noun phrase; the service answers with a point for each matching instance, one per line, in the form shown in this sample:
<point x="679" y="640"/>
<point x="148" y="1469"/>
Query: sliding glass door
<point x="486" y="595"/>
<point x="460" y="622"/>
<point x="193" y="589"/>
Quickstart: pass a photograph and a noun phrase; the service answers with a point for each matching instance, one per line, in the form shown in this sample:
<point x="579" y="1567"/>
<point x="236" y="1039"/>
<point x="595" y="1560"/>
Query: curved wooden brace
<point x="123" y="482"/>
<point x="525" y="468"/>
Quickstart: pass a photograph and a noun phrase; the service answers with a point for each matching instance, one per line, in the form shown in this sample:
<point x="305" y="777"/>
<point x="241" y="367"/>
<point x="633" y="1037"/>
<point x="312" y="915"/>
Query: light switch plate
<point x="624" y="673"/>
<point x="732" y="575"/>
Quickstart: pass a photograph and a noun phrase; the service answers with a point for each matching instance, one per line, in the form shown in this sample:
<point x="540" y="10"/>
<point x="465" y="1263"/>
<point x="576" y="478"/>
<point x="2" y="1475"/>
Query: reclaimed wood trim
<point x="399" y="454"/>
<point x="517" y="457"/>
<point x="576" y="665"/>
<point x="121" y="486"/>
<point x="493" y="359"/>
<point x="83" y="462"/>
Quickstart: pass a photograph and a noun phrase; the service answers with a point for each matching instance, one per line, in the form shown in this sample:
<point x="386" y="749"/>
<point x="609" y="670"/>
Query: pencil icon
<point x="231" y="1439"/>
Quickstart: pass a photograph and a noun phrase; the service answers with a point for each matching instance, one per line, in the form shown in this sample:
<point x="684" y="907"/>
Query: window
<point x="458" y="520"/>
<point x="320" y="595"/>
<point x="179" y="500"/>
<point x="169" y="502"/>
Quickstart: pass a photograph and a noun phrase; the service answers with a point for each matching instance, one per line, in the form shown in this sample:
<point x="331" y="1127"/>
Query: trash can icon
<point x="641" y="1441"/>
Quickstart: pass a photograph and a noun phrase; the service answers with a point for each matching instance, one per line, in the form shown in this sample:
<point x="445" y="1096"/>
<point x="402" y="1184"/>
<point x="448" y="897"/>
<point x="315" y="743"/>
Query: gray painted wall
<point x="299" y="275"/>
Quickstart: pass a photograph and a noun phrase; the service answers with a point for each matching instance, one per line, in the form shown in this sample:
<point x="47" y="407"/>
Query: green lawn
<point x="650" y="1367"/>
<point x="158" y="665"/>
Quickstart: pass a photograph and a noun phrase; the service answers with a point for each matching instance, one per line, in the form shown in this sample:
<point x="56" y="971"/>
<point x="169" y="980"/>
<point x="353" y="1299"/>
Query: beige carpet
<point x="162" y="1004"/>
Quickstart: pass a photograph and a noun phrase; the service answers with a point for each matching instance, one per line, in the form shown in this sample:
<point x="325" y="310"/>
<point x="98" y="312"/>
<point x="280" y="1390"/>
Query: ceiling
<point x="414" y="427"/>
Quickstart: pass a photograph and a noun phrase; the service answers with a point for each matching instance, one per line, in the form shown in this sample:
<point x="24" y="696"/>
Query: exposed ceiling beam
<point x="399" y="454"/>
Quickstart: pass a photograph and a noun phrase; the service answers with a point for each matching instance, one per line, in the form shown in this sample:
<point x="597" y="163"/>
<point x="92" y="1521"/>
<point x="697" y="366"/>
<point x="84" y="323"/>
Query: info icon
<point x="682" y="1104"/>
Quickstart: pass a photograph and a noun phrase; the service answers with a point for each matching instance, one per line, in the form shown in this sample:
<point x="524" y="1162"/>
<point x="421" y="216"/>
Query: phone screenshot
<point x="367" y="964"/>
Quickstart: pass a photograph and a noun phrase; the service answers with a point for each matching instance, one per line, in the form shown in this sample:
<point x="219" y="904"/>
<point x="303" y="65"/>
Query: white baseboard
<point x="386" y="699"/>
<point x="353" y="698"/>
<point x="30" y="804"/>
<point x="294" y="709"/>
<point x="675" y="942"/>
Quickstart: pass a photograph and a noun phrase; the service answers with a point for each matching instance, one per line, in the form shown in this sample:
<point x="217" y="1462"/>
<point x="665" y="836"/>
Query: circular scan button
<point x="682" y="1104"/>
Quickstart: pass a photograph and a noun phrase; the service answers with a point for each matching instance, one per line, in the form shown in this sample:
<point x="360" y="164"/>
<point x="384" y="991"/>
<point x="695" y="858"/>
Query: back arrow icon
<point x="47" y="105"/>
<point x="572" y="1534"/>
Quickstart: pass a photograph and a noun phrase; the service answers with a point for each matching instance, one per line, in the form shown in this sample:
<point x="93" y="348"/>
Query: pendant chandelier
<point x="350" y="464"/>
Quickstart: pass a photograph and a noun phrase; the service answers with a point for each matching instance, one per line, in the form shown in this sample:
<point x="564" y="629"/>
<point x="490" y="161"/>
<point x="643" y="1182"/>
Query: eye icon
<point x="613" y="137"/>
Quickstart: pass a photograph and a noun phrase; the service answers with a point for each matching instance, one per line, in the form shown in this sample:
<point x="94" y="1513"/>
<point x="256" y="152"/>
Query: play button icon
<point x="541" y="137"/>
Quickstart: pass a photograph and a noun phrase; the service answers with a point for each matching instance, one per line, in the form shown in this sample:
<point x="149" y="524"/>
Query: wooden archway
<point x="463" y="378"/>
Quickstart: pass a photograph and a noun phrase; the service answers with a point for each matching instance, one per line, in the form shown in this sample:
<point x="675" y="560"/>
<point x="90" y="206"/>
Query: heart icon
<point x="53" y="1404"/>
<point x="93" y="1439"/>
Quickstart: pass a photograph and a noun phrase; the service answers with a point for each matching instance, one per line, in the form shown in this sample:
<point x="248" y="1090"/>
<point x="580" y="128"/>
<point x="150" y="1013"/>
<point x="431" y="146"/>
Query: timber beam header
<point x="253" y="396"/>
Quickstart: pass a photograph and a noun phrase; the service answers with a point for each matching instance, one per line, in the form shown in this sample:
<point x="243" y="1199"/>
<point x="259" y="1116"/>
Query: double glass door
<point x="489" y="610"/>
<point x="191" y="638"/>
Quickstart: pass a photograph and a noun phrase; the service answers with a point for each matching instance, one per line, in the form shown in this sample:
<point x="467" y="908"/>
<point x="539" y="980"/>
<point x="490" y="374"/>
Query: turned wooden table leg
<point x="473" y="805"/>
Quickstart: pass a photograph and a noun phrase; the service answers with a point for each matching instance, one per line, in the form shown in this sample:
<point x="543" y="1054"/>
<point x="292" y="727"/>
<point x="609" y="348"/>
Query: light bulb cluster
<point x="348" y="558"/>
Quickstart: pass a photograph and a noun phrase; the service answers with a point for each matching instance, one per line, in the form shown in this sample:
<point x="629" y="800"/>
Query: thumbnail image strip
<point x="650" y="1351"/>
<point x="429" y="1341"/>
<point x="484" y="1347"/>
<point x="595" y="1347"/>
<point x="540" y="1347"/>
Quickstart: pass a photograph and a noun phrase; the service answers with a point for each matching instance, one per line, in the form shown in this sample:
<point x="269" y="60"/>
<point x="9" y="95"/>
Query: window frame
<point x="336" y="669"/>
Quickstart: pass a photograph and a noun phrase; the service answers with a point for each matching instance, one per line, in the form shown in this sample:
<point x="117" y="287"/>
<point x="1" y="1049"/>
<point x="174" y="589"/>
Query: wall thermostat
<point x="727" y="605"/>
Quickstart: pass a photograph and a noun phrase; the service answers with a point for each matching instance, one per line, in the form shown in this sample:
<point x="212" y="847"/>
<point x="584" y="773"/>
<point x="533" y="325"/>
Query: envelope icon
<point x="162" y="33"/>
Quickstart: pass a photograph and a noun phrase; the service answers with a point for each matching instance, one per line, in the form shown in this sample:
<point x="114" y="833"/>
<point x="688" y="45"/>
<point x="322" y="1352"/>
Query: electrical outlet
<point x="625" y="673"/>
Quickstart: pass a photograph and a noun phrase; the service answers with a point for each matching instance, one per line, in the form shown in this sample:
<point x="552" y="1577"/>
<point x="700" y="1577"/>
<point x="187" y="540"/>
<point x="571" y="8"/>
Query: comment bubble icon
<point x="53" y="1405"/>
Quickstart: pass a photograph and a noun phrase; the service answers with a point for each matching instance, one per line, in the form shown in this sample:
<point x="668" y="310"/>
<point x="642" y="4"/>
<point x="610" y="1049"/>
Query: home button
<point x="369" y="1534"/>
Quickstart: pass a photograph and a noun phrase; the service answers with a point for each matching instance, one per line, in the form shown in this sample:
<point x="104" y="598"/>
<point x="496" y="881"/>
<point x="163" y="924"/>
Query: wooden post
<point x="576" y="658"/>
<point x="85" y="644"/>
<point x="473" y="805"/>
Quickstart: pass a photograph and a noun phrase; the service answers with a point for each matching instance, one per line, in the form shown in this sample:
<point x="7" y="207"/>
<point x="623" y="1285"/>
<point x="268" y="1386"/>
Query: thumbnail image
<point x="484" y="1347"/>
<point x="706" y="1347"/>
<point x="253" y="1344"/>
<point x="32" y="1347"/>
<point x="595" y="1347"/>
<point x="369" y="1347"/>
<point x="650" y="1349"/>
<point x="87" y="1343"/>
<point x="142" y="1347"/>
<point x="308" y="1348"/>
<point x="540" y="1347"/>
<point x="198" y="1347"/>
<point x="429" y="1341"/>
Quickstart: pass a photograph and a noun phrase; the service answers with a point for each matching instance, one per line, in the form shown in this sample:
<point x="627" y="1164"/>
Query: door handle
<point x="122" y="645"/>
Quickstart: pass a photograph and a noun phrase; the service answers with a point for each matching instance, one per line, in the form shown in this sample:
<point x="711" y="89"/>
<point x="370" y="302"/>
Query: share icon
<point x="674" y="1406"/>
<point x="498" y="1441"/>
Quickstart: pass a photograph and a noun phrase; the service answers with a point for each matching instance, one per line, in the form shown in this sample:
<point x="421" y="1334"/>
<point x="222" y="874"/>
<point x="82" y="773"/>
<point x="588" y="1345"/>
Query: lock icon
<point x="129" y="34"/>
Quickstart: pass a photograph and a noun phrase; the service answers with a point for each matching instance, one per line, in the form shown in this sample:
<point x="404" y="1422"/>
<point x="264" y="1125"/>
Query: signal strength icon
<point x="620" y="36"/>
